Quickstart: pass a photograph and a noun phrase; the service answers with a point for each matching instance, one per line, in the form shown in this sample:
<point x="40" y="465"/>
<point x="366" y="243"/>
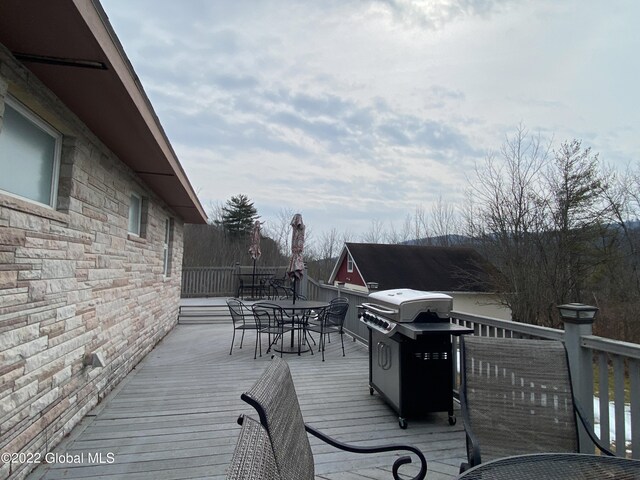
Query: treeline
<point x="560" y="228"/>
<point x="211" y="246"/>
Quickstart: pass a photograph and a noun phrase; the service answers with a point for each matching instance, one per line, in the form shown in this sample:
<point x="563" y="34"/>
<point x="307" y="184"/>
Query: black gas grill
<point x="410" y="351"/>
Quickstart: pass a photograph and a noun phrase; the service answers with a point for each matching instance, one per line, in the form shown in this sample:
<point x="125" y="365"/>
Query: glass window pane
<point x="134" y="214"/>
<point x="27" y="157"/>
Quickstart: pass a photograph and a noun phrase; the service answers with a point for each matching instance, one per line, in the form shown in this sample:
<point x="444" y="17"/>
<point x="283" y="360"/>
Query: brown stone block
<point x="12" y="236"/>
<point x="94" y="214"/>
<point x="53" y="329"/>
<point x="8" y="279"/>
<point x="120" y="282"/>
<point x="12" y="323"/>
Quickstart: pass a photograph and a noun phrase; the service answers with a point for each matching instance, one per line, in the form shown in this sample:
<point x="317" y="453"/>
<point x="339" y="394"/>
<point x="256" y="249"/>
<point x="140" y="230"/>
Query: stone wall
<point x="73" y="282"/>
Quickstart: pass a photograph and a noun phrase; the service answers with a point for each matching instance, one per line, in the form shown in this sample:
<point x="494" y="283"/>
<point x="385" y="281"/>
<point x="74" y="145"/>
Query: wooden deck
<point x="174" y="416"/>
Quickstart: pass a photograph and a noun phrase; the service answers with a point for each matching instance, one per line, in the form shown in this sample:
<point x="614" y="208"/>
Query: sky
<point x="355" y="112"/>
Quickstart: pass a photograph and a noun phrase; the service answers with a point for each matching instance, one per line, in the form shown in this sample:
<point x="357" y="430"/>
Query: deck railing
<point x="605" y="372"/>
<point x="208" y="281"/>
<point x="219" y="281"/>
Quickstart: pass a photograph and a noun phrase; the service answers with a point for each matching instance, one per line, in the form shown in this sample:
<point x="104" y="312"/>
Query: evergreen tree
<point x="238" y="216"/>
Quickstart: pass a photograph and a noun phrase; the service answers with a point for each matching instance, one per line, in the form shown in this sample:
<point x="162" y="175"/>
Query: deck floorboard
<point x="174" y="417"/>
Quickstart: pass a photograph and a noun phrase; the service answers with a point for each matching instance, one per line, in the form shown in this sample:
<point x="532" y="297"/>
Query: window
<point x="29" y="154"/>
<point x="167" y="247"/>
<point x="349" y="263"/>
<point x="135" y="214"/>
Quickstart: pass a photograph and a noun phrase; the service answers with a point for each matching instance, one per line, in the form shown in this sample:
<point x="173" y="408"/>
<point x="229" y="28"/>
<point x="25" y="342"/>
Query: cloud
<point x="435" y="14"/>
<point x="356" y="109"/>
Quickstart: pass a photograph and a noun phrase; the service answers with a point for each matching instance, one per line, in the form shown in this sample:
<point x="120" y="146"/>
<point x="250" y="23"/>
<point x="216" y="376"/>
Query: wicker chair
<point x="253" y="458"/>
<point x="242" y="320"/>
<point x="516" y="398"/>
<point x="330" y="320"/>
<point x="274" y="398"/>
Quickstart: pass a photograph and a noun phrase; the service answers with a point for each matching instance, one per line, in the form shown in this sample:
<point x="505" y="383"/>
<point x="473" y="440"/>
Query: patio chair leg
<point x="242" y="338"/>
<point x="232" y="340"/>
<point x="307" y="340"/>
<point x="255" y="350"/>
<point x="342" y="341"/>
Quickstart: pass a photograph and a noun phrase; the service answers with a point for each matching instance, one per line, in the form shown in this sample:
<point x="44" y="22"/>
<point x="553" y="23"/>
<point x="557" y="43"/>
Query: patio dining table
<point x="299" y="306"/>
<point x="552" y="466"/>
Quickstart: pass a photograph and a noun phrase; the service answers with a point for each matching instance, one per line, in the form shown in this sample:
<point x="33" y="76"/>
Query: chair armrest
<point x="589" y="429"/>
<point x="379" y="449"/>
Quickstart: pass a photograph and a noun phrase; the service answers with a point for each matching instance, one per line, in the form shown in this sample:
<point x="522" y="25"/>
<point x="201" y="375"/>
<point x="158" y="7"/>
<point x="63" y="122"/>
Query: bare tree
<point x="543" y="220"/>
<point x="215" y="212"/>
<point x="400" y="236"/>
<point x="444" y="222"/>
<point x="280" y="230"/>
<point x="617" y="282"/>
<point x="506" y="190"/>
<point x="421" y="229"/>
<point x="376" y="232"/>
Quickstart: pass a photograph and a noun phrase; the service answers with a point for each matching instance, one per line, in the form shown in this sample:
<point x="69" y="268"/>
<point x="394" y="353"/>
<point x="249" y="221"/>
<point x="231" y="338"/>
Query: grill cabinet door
<point x="385" y="367"/>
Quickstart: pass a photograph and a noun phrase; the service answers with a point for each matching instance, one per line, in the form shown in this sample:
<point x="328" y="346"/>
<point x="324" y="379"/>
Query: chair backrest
<point x="274" y="398"/>
<point x="253" y="457"/>
<point x="237" y="310"/>
<point x="336" y="311"/>
<point x="517" y="396"/>
<point x="267" y="314"/>
<point x="279" y="290"/>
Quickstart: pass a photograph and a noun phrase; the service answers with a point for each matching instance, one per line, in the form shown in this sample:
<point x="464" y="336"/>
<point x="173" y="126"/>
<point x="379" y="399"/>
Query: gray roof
<point x="444" y="269"/>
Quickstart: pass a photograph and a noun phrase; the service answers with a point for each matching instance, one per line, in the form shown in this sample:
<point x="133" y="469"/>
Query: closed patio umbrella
<point x="254" y="251"/>
<point x="296" y="265"/>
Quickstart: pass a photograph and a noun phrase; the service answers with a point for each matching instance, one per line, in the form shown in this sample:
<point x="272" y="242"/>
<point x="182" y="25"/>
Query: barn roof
<point x="445" y="269"/>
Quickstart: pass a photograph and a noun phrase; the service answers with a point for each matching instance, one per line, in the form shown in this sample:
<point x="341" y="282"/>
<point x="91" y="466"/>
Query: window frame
<point x="167" y="247"/>
<point x="47" y="128"/>
<point x="349" y="263"/>
<point x="139" y="219"/>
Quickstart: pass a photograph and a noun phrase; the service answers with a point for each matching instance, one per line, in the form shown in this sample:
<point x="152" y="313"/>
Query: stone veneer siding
<point x="72" y="281"/>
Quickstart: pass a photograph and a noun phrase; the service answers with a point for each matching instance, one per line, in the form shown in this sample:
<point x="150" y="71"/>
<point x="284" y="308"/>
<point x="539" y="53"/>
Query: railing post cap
<point x="577" y="313"/>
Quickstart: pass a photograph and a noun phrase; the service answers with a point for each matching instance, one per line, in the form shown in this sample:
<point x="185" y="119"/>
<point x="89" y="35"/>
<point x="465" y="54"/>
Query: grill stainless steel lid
<point x="404" y="305"/>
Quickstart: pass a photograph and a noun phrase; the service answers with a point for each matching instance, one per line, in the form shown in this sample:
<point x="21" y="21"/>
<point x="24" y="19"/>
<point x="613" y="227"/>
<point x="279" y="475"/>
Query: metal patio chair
<point x="270" y="320"/>
<point x="278" y="290"/>
<point x="274" y="398"/>
<point x="242" y="319"/>
<point x="516" y="398"/>
<point x="329" y="321"/>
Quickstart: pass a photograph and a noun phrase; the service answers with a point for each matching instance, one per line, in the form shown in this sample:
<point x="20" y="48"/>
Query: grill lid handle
<point x="379" y="309"/>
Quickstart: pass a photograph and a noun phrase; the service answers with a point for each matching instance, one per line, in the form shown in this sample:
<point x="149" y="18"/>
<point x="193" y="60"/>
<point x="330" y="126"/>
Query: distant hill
<point x="443" y="240"/>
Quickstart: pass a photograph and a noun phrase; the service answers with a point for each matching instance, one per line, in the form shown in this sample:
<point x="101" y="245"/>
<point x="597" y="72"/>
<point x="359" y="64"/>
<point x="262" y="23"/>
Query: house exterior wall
<point x="484" y="304"/>
<point x="73" y="282"/>
<point x="352" y="280"/>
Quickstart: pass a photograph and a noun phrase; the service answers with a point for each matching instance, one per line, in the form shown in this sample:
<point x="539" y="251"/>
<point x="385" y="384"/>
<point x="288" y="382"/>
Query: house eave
<point x="110" y="102"/>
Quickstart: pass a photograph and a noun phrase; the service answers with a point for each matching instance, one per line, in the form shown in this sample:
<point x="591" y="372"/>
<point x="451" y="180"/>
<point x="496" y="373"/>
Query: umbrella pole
<point x="294" y="289"/>
<point x="253" y="280"/>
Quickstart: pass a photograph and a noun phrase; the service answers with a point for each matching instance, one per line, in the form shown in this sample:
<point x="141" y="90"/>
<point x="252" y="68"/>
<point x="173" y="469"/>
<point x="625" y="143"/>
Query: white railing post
<point x="577" y="324"/>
